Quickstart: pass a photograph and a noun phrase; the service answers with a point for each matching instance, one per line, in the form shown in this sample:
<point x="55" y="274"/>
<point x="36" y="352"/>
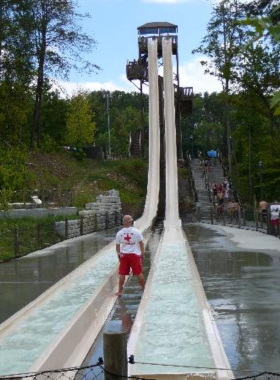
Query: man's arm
<point x="118" y="249"/>
<point x="142" y="247"/>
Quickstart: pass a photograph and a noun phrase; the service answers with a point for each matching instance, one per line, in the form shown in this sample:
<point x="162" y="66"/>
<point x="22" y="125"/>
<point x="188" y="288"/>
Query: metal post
<point x="239" y="218"/>
<point x="107" y="220"/>
<point x="268" y="221"/>
<point x="16" y="243"/>
<point x="211" y="215"/>
<point x="261" y="179"/>
<point x="115" y="355"/>
<point x="81" y="225"/>
<point x="66" y="228"/>
<point x="95" y="222"/>
<point x="53" y="232"/>
<point x="108" y="123"/>
<point x="39" y="243"/>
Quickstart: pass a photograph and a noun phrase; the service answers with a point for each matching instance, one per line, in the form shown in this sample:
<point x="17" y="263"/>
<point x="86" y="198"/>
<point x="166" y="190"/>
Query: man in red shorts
<point x="130" y="250"/>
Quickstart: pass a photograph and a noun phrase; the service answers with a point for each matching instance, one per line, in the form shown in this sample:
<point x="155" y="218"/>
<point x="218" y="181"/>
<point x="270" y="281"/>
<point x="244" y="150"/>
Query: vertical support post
<point x="39" y="243"/>
<point x="107" y="220"/>
<point x="115" y="355"/>
<point x="239" y="217"/>
<point x="16" y="243"/>
<point x="95" y="222"/>
<point x="261" y="217"/>
<point x="211" y="215"/>
<point x="244" y="217"/>
<point x="108" y="123"/>
<point x="81" y="225"/>
<point x="66" y="228"/>
<point x="53" y="232"/>
<point x="268" y="222"/>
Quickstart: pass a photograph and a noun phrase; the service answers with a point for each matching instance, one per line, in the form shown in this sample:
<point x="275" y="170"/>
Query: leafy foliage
<point x="80" y="127"/>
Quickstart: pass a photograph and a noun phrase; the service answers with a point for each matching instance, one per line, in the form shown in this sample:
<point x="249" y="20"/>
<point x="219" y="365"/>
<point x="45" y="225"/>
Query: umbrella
<point x="212" y="153"/>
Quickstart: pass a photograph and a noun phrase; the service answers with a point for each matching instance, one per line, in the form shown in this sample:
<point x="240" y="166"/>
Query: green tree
<point x="221" y="44"/>
<point x="59" y="42"/>
<point x="80" y="127"/>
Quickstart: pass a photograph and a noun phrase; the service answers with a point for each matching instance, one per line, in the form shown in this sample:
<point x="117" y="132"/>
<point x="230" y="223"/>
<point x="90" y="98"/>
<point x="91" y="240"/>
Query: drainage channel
<point x="123" y="314"/>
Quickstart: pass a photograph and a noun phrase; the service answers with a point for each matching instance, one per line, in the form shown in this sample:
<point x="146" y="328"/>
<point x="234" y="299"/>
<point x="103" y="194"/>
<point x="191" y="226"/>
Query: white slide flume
<point x="151" y="203"/>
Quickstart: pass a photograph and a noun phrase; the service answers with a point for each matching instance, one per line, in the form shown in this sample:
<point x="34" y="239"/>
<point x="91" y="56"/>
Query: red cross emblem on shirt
<point x="127" y="238"/>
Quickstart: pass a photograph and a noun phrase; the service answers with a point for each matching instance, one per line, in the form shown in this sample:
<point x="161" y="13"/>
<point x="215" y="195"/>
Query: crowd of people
<point x="222" y="200"/>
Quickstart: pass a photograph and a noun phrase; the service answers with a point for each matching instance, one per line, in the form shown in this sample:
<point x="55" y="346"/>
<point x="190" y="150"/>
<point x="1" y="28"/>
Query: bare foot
<point x="118" y="294"/>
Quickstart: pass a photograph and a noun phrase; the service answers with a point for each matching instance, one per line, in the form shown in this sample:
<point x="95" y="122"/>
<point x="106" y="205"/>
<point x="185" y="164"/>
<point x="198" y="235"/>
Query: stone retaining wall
<point x="105" y="213"/>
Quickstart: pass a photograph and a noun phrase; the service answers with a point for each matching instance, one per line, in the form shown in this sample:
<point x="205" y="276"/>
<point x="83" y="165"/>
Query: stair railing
<point x="206" y="178"/>
<point x="191" y="178"/>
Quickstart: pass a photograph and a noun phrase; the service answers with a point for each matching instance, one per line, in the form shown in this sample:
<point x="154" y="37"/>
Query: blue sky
<point x="114" y="25"/>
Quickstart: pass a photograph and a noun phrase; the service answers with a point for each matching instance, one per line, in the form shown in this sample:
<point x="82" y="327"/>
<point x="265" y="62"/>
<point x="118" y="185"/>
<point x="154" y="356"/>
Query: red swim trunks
<point x="274" y="222"/>
<point x="130" y="260"/>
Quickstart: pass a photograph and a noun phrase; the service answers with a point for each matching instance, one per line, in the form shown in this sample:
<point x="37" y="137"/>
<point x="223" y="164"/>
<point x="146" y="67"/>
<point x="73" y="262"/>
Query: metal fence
<point x="242" y="218"/>
<point x="22" y="241"/>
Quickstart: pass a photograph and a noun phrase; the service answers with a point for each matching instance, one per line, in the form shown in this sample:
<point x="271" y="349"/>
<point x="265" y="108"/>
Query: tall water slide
<point x="174" y="334"/>
<point x="174" y="324"/>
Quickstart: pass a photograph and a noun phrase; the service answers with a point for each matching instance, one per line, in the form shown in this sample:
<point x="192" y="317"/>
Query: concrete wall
<point x="38" y="212"/>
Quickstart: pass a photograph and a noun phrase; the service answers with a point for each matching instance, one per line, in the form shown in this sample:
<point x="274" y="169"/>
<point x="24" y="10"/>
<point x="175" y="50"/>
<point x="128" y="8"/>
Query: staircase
<point x="202" y="193"/>
<point x="215" y="174"/>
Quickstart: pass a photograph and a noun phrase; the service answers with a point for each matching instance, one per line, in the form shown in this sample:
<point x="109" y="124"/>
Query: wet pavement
<point x="23" y="280"/>
<point x="243" y="289"/>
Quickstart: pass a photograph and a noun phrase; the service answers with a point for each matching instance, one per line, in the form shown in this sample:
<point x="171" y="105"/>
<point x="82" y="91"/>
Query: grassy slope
<point x="89" y="178"/>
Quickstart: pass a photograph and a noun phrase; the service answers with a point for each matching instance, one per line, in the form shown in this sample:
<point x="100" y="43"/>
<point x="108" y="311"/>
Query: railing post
<point x="106" y="220"/>
<point x="95" y="222"/>
<point x="53" y="232"/>
<point x="16" y="243"/>
<point x="256" y="220"/>
<point x="39" y="243"/>
<point x="211" y="215"/>
<point x="261" y="217"/>
<point x="81" y="225"/>
<point x="268" y="222"/>
<point x="239" y="217"/>
<point x="66" y="226"/>
<point x="115" y="355"/>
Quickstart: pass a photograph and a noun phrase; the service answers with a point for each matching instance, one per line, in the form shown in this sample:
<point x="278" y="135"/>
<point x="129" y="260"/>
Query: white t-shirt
<point x="128" y="238"/>
<point x="274" y="210"/>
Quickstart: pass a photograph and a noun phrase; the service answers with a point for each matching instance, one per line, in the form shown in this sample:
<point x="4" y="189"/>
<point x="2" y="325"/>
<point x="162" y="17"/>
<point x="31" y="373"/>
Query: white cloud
<point x="192" y="75"/>
<point x="68" y="88"/>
